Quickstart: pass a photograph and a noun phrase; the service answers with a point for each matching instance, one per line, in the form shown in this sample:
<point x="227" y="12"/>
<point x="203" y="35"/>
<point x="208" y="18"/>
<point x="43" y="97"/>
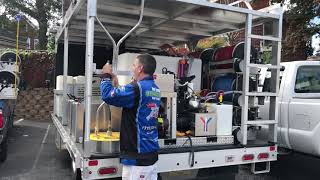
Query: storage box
<point x="165" y="82"/>
<point x="205" y="124"/>
<point x="223" y="114"/>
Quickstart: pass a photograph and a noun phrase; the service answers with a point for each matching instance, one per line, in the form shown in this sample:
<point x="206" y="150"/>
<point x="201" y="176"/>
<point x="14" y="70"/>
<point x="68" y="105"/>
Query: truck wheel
<point x="11" y="120"/>
<point x="76" y="175"/>
<point x="11" y="114"/>
<point x="3" y="150"/>
<point x="76" y="172"/>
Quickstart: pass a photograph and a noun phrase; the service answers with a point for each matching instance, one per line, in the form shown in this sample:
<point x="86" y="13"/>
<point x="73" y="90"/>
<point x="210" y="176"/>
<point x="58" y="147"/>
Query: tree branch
<point x="13" y="5"/>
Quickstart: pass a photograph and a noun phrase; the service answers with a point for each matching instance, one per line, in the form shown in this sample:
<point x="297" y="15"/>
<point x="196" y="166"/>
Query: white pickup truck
<point x="299" y="106"/>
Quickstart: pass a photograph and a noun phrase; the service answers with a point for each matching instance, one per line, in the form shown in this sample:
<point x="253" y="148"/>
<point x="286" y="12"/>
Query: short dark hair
<point x="148" y="62"/>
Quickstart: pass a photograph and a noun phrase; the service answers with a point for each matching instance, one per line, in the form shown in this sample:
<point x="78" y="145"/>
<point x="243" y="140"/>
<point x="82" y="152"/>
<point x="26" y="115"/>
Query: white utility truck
<point x="299" y="104"/>
<point x="196" y="131"/>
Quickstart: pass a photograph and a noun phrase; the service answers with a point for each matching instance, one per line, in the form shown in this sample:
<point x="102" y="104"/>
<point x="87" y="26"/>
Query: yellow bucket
<point x="102" y="136"/>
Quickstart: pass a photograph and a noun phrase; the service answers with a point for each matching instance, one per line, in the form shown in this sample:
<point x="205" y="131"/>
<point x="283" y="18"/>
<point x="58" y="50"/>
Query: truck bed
<point x="171" y="159"/>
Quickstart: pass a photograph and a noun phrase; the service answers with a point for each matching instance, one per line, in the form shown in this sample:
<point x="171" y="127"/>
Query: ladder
<point x="275" y="67"/>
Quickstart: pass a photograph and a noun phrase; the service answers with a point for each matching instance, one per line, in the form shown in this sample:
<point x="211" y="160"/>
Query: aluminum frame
<point x="160" y="22"/>
<point x="92" y="15"/>
<point x="154" y="30"/>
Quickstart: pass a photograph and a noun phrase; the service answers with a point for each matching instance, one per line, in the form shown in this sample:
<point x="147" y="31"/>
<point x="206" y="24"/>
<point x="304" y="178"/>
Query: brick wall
<point x="35" y="68"/>
<point x="260" y="4"/>
<point x="34" y="104"/>
<point x="239" y="36"/>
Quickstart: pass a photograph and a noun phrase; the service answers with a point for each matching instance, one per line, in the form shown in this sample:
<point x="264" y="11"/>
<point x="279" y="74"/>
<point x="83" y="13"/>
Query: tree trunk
<point x="42" y="19"/>
<point x="43" y="39"/>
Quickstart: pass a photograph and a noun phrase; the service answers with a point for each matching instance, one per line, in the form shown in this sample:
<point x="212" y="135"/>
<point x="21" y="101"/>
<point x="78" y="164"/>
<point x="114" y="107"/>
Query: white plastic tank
<point x="79" y="80"/>
<point x="59" y="81"/>
<point x="58" y="96"/>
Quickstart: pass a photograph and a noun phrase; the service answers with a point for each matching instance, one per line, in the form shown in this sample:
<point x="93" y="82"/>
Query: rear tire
<point x="77" y="175"/>
<point x="76" y="172"/>
<point x="11" y="121"/>
<point x="3" y="150"/>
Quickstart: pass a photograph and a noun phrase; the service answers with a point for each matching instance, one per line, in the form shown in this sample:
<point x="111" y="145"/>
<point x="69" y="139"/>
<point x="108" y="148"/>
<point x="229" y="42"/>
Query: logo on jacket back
<point x="154" y="93"/>
<point x="205" y="121"/>
<point x="154" y="111"/>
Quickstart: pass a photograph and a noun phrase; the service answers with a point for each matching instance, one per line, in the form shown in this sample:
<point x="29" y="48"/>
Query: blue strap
<point x="129" y="162"/>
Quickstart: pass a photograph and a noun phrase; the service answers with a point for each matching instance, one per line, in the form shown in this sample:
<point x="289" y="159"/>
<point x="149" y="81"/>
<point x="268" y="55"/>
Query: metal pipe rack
<point x="168" y="21"/>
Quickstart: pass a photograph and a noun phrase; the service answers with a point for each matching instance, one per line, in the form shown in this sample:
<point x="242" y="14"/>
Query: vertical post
<point x="245" y="83"/>
<point x="275" y="76"/>
<point x="115" y="59"/>
<point x="18" y="18"/>
<point x="173" y="117"/>
<point x="91" y="14"/>
<point x="169" y="114"/>
<point x="65" y="70"/>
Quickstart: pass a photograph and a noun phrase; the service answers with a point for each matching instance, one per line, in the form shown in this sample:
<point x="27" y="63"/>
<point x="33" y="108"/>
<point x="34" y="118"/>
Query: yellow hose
<point x="16" y="65"/>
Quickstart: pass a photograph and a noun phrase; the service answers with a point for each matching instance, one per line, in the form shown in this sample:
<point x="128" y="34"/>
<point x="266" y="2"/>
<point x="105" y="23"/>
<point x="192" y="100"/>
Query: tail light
<point x="263" y="156"/>
<point x="247" y="157"/>
<point x="272" y="148"/>
<point x="107" y="170"/>
<point x="93" y="163"/>
<point x="1" y="119"/>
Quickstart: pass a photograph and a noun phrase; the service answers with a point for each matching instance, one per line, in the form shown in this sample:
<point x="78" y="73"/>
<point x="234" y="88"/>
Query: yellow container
<point x="102" y="136"/>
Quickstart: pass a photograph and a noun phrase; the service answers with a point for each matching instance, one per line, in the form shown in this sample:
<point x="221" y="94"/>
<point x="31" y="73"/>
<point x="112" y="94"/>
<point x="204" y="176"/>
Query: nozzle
<point x="109" y="131"/>
<point x="96" y="131"/>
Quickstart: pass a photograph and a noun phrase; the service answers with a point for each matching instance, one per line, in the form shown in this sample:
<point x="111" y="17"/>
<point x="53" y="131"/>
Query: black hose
<point x="191" y="157"/>
<point x="2" y="87"/>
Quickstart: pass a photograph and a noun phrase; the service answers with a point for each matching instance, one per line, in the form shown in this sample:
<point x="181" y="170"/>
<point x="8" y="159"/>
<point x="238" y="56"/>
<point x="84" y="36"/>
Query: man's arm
<point x="123" y="96"/>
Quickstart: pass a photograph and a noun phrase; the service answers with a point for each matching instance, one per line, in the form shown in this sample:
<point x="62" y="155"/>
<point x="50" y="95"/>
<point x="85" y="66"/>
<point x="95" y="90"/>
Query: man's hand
<point x="107" y="69"/>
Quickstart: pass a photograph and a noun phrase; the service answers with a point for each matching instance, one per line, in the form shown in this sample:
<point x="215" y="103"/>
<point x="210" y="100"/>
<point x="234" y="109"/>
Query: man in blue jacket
<point x="140" y="101"/>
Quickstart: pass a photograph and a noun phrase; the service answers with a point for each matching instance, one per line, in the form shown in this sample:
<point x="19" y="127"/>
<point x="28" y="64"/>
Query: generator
<point x="185" y="116"/>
